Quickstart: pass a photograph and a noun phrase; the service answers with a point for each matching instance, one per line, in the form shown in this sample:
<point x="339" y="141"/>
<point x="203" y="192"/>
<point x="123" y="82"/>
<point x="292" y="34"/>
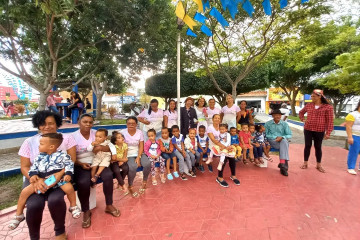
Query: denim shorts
<point x="166" y="156"/>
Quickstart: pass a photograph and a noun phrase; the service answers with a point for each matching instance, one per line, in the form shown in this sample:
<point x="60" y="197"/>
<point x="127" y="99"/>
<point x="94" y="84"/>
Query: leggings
<point x="354" y="150"/>
<point x="232" y="165"/>
<point x="119" y="175"/>
<point x="318" y="138"/>
<point x="35" y="205"/>
<point x="152" y="163"/>
<point x="258" y="151"/>
<point x="82" y="179"/>
<point x="133" y="167"/>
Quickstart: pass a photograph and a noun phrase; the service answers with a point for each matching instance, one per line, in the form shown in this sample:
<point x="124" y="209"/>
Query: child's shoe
<point x="192" y="174"/>
<point x="162" y="178"/>
<point x="188" y="173"/>
<point x="154" y="182"/>
<point x="170" y="177"/>
<point x="14" y="223"/>
<point x="176" y="174"/>
<point x="210" y="168"/>
<point x="201" y="168"/>
<point x="183" y="177"/>
<point x="75" y="211"/>
<point x="209" y="160"/>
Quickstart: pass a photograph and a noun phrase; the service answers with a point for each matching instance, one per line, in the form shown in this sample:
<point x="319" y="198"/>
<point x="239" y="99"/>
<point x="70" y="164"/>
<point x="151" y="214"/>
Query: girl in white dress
<point x="200" y="108"/>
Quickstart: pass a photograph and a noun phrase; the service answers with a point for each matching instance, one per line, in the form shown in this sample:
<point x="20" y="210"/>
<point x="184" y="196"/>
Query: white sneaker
<point x="209" y="161"/>
<point x="352" y="171"/>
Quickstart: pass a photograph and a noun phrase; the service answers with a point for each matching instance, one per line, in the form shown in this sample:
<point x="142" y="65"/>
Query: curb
<point x="7" y="211"/>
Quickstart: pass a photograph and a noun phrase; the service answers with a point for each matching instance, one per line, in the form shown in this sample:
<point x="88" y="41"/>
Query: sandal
<point x="75" y="211"/>
<point x="162" y="178"/>
<point x="320" y="169"/>
<point x="304" y="166"/>
<point x="87" y="222"/>
<point x="143" y="188"/>
<point x="245" y="162"/>
<point x="154" y="182"/>
<point x="252" y="160"/>
<point x="14" y="223"/>
<point x="269" y="159"/>
<point x="115" y="213"/>
<point x="131" y="191"/>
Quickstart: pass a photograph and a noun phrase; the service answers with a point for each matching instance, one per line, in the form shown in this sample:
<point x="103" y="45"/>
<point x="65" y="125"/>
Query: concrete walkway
<point x="307" y="205"/>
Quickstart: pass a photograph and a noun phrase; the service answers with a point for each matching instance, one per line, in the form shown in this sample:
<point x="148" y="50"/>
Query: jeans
<point x="194" y="157"/>
<point x="318" y="138"/>
<point x="184" y="163"/>
<point x="283" y="146"/>
<point x="258" y="151"/>
<point x="53" y="109"/>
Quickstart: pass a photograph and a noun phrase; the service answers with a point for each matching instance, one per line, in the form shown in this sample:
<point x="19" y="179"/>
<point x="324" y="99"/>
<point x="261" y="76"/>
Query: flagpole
<point x="180" y="24"/>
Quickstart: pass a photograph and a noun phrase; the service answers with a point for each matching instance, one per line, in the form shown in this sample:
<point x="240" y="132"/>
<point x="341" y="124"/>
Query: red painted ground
<point x="307" y="205"/>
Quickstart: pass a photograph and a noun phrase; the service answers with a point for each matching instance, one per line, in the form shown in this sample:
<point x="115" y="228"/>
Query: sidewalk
<point x="24" y="125"/>
<point x="307" y="205"/>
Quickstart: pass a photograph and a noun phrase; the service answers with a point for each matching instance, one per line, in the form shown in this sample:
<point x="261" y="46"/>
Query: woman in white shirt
<point x="171" y="116"/>
<point x="152" y="118"/>
<point x="200" y="108"/>
<point x="211" y="111"/>
<point x="230" y="112"/>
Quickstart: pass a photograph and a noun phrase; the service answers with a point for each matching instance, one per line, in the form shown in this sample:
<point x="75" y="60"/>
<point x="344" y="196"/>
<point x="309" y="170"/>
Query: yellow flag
<point x="200" y="5"/>
<point x="180" y="11"/>
<point x="188" y="21"/>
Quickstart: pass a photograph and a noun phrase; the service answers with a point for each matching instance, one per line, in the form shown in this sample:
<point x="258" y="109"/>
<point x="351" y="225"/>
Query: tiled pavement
<point x="307" y="205"/>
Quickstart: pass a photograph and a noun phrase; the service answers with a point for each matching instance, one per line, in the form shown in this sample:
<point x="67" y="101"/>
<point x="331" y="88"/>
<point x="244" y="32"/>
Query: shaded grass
<point x="10" y="188"/>
<point x="109" y="122"/>
<point x="13" y="118"/>
<point x="337" y="121"/>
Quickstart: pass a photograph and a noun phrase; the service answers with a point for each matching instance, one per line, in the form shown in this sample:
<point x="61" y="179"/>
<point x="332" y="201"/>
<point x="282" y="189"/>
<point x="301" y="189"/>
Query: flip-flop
<point x="87" y="223"/>
<point x="115" y="213"/>
<point x="304" y="166"/>
<point x="320" y="169"/>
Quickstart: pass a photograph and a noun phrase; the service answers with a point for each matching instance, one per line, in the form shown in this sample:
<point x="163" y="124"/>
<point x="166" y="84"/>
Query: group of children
<point x="191" y="151"/>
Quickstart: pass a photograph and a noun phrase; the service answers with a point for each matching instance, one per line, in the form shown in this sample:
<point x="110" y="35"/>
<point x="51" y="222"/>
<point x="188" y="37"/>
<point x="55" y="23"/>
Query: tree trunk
<point x="98" y="106"/>
<point x="234" y="93"/>
<point x="42" y="101"/>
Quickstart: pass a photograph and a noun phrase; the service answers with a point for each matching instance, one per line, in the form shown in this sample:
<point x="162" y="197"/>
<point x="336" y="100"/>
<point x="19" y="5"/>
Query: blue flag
<point x="206" y="30"/>
<point x="247" y="6"/>
<point x="225" y="4"/>
<point x="190" y="33"/>
<point x="217" y="15"/>
<point x="267" y="7"/>
<point x="206" y="4"/>
<point x="283" y="3"/>
<point x="200" y="18"/>
<point x="233" y="9"/>
<point x="304" y="1"/>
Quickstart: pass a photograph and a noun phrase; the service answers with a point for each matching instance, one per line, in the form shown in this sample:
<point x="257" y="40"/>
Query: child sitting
<point x="180" y="153"/>
<point x="203" y="147"/>
<point x="235" y="143"/>
<point x="120" y="158"/>
<point x="228" y="151"/>
<point x="101" y="159"/>
<point x="245" y="142"/>
<point x="260" y="137"/>
<point x="152" y="150"/>
<point x="48" y="162"/>
<point x="167" y="149"/>
<point x="190" y="144"/>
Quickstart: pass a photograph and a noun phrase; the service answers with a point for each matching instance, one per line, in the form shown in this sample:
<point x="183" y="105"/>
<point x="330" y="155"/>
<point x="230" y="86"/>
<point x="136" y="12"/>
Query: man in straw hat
<point x="278" y="132"/>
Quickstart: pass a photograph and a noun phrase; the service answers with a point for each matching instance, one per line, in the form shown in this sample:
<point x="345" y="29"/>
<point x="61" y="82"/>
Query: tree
<point x="247" y="41"/>
<point x="197" y="83"/>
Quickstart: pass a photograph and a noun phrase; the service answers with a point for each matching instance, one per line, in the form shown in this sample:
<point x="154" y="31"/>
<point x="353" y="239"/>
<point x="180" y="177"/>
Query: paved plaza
<point x="307" y="205"/>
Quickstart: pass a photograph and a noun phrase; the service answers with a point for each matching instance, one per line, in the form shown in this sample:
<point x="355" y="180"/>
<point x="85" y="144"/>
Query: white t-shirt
<point x="211" y="113"/>
<point x="133" y="142"/>
<point x="155" y="119"/>
<point x="230" y="115"/>
<point x="285" y="113"/>
<point x="82" y="153"/>
<point x="202" y="140"/>
<point x="216" y="134"/>
<point x="177" y="141"/>
<point x="172" y="118"/>
<point x="225" y="139"/>
<point x="354" y="117"/>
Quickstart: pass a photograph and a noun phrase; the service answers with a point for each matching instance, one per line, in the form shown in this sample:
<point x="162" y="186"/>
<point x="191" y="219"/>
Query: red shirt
<point x="245" y="136"/>
<point x="318" y="120"/>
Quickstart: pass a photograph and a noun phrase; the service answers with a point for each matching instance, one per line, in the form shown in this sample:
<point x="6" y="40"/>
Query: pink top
<point x="172" y="118"/>
<point x="133" y="142"/>
<point x="30" y="147"/>
<point x="82" y="154"/>
<point x="211" y="113"/>
<point x="155" y="119"/>
<point x="11" y="109"/>
<point x="151" y="148"/>
<point x="50" y="101"/>
<point x="216" y="134"/>
<point x="245" y="136"/>
<point x="233" y="110"/>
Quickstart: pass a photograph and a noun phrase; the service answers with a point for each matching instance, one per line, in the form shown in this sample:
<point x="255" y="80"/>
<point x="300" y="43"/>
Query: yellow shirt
<point x="121" y="150"/>
<point x="354" y="117"/>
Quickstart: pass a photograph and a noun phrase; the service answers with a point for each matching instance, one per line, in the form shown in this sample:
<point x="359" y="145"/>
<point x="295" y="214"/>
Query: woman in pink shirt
<point x="211" y="111"/>
<point x="152" y="118"/>
<point x="50" y="102"/>
<point x="134" y="138"/>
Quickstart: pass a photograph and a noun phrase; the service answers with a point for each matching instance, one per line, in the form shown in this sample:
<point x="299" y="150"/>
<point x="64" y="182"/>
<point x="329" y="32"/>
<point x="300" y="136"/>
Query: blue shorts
<point x="166" y="156"/>
<point x="206" y="154"/>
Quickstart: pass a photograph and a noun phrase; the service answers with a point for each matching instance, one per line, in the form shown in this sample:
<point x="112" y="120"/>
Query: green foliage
<point x="33" y="106"/>
<point x="21" y="101"/>
<point x="126" y="107"/>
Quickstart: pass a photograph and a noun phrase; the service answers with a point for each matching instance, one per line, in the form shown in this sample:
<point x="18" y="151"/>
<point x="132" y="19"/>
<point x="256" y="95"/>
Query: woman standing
<point x="46" y="122"/>
<point x="245" y="115"/>
<point x="135" y="141"/>
<point x="152" y="118"/>
<point x="214" y="136"/>
<point x="170" y="116"/>
<point x="230" y="113"/>
<point x="318" y="126"/>
<point x="76" y="102"/>
<point x="211" y="111"/>
<point x="200" y="109"/>
<point x="188" y="117"/>
<point x="353" y="133"/>
<point x="82" y="172"/>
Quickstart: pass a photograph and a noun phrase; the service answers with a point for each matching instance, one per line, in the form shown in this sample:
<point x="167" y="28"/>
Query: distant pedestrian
<point x="285" y="111"/>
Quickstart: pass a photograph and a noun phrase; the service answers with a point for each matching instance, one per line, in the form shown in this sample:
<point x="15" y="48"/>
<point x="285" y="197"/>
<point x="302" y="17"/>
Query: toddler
<point x="48" y="162"/>
<point x="101" y="159"/>
<point x="179" y="151"/>
<point x="228" y="151"/>
<point x="245" y="142"/>
<point x="167" y="152"/>
<point x="190" y="144"/>
<point x="235" y="142"/>
<point x="203" y="147"/>
<point x="120" y="158"/>
<point x="260" y="137"/>
<point x="152" y="150"/>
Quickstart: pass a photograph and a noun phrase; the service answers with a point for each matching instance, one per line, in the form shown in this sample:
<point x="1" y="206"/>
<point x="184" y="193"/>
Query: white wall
<point x="261" y="99"/>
